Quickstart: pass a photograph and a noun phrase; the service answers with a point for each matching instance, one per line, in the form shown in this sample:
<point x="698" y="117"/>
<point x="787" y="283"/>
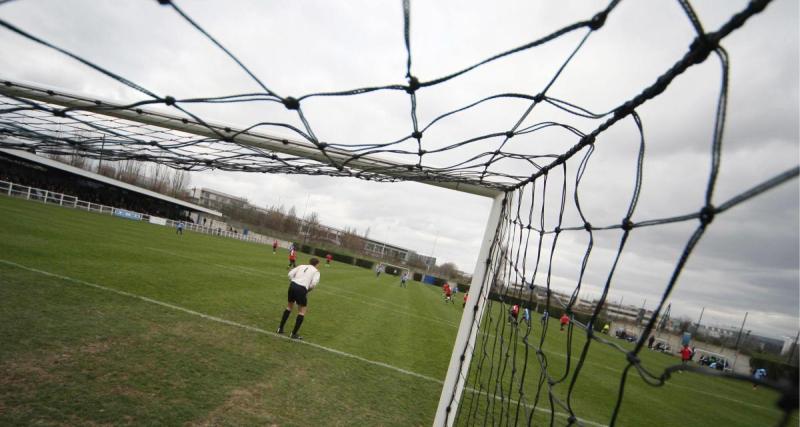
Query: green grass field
<point x="109" y="321"/>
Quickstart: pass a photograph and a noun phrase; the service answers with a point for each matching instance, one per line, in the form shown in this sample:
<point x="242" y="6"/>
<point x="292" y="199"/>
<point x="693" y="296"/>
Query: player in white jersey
<point x="303" y="279"/>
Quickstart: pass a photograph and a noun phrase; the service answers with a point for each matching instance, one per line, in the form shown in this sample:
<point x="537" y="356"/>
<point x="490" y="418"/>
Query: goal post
<point x="478" y="295"/>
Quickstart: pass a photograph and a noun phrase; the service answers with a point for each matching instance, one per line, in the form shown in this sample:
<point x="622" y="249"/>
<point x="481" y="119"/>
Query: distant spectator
<point x="328" y="259"/>
<point x="650" y="341"/>
<point x="404" y="279"/>
<point x="179" y="228"/>
<point x="274" y="247"/>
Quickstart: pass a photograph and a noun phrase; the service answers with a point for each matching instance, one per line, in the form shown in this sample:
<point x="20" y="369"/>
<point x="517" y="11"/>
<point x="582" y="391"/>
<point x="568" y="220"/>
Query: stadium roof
<point x="106" y="180"/>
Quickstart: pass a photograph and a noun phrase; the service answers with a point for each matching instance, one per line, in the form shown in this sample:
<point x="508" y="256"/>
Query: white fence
<point x="49" y="197"/>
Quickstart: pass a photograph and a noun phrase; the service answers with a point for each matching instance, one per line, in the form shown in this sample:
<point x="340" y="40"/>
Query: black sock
<point x="285" y="317"/>
<point x="297" y="323"/>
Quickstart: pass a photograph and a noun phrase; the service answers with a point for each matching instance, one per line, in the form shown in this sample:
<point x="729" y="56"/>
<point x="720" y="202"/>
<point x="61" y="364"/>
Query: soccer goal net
<point x="566" y="184"/>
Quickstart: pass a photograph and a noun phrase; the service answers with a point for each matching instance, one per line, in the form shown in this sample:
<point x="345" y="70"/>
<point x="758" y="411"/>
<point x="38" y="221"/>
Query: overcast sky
<point x="747" y="261"/>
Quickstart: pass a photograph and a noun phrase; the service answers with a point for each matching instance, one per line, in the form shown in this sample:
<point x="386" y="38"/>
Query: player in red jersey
<point x="328" y="259"/>
<point x="686" y="354"/>
<point x="448" y="293"/>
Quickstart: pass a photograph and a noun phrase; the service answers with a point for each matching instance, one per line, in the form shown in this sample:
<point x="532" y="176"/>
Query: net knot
<point x="169" y="100"/>
<point x="139" y="111"/>
<point x="416" y="134"/>
<point x="598" y="20"/>
<point x="285" y="141"/>
<point x="700" y="48"/>
<point x="707" y="214"/>
<point x="627" y="224"/>
<point x="291" y="103"/>
<point x="538" y="98"/>
<point x="623" y="110"/>
<point x="164" y="2"/>
<point x="322" y="145"/>
<point x="153" y="143"/>
<point x="413" y="85"/>
<point x="8" y="83"/>
<point x="509" y="134"/>
<point x="572" y="419"/>
<point x="557" y="230"/>
<point x="632" y="358"/>
<point x="587" y="226"/>
<point x="60" y="113"/>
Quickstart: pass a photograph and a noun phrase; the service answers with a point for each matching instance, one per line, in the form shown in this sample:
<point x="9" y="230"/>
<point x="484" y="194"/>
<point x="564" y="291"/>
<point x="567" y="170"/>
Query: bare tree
<point x="449" y="270"/>
<point x="350" y="239"/>
<point x="290" y="222"/>
<point x="130" y="171"/>
<point x="313" y="226"/>
<point x="159" y="178"/>
<point x="178" y="183"/>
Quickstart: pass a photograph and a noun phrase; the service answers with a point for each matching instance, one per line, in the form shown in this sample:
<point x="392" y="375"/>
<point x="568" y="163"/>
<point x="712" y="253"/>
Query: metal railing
<point x="50" y="197"/>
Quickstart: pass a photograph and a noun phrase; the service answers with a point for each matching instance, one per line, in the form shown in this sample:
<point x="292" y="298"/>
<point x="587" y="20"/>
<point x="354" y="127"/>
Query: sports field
<point x="109" y="321"/>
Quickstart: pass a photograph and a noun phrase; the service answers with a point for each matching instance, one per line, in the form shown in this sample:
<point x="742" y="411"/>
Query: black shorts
<point x="297" y="294"/>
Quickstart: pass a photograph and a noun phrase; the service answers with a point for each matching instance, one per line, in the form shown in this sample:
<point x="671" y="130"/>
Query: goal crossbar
<point x="330" y="156"/>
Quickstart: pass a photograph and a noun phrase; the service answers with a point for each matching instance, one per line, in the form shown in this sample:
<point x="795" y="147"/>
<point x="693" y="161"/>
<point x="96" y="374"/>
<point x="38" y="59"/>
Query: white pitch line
<point x="219" y="320"/>
<point x="257" y="330"/>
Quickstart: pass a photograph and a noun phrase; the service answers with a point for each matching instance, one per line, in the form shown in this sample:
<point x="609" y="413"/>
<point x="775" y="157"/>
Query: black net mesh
<point x="514" y="377"/>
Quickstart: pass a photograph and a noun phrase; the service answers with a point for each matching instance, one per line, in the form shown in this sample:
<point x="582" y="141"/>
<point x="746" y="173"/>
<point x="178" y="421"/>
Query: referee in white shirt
<point x="303" y="278"/>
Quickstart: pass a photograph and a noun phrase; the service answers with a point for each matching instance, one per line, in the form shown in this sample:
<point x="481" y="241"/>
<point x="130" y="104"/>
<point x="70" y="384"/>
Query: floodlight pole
<point x="470" y="320"/>
<point x="736" y="346"/>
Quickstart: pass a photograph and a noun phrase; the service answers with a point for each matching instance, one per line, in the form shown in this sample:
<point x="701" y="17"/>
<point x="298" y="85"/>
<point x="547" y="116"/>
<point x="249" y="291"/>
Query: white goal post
<point x="478" y="296"/>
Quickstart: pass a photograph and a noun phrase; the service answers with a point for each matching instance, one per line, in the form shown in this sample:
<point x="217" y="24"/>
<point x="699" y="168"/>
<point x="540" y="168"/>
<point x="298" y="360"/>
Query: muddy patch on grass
<point x="246" y="403"/>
